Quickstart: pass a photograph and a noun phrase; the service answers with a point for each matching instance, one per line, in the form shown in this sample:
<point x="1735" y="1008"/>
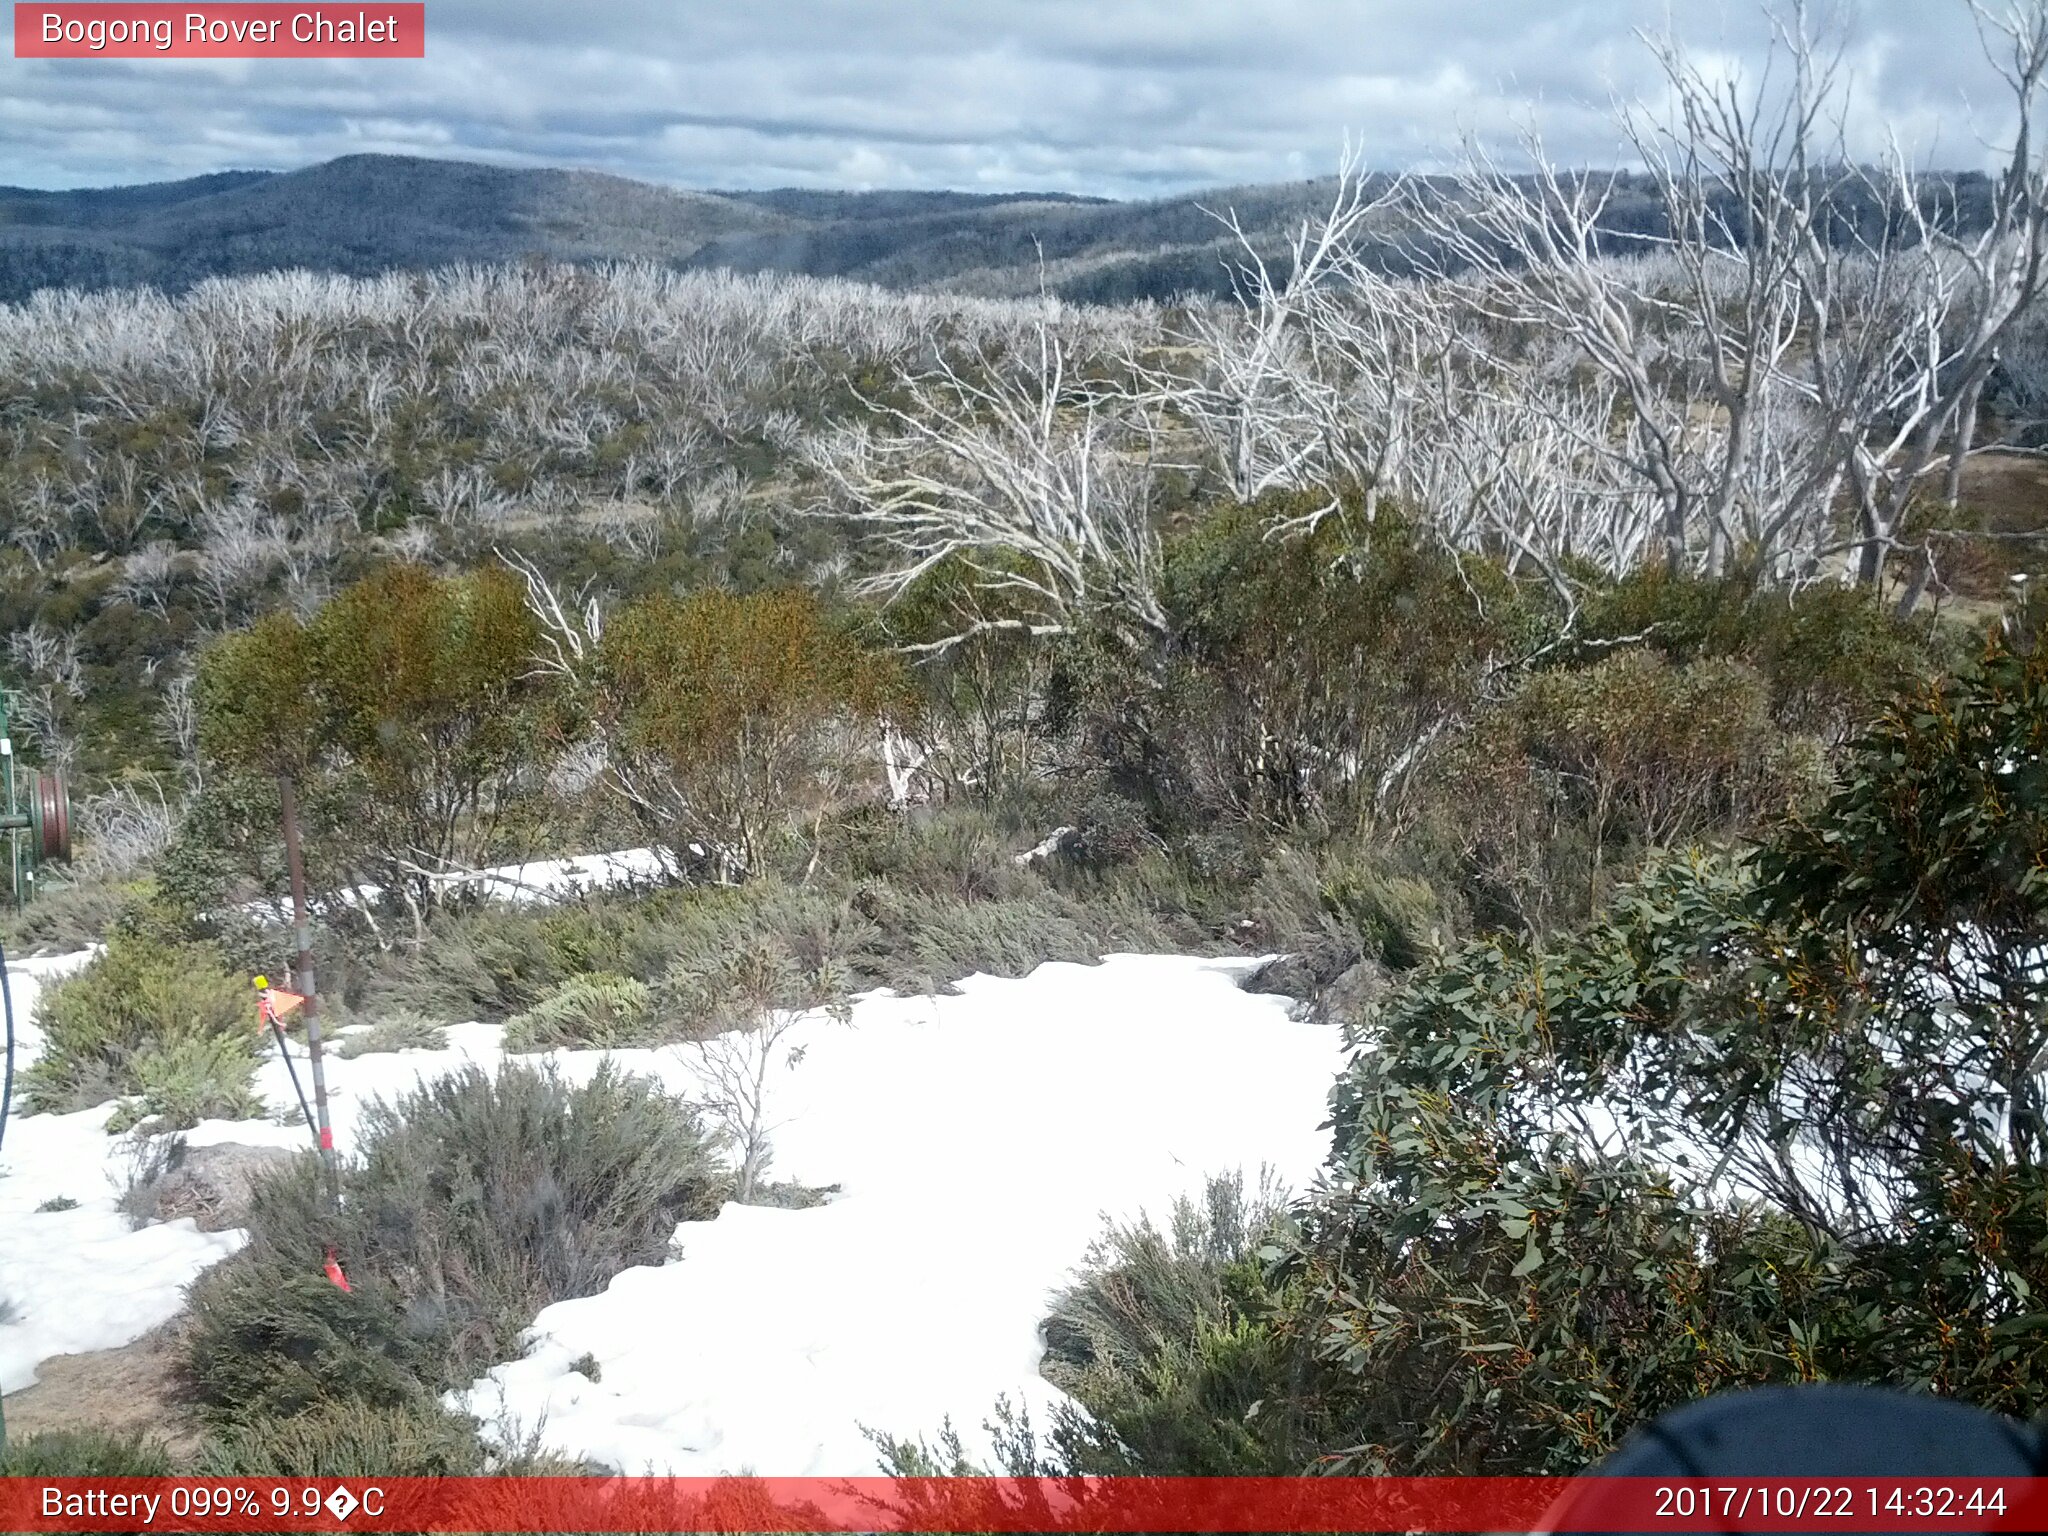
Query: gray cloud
<point x="1118" y="97"/>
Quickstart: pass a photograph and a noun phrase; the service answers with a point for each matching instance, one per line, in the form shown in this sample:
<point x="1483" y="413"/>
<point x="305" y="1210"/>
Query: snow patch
<point x="978" y="1142"/>
<point x="82" y="1278"/>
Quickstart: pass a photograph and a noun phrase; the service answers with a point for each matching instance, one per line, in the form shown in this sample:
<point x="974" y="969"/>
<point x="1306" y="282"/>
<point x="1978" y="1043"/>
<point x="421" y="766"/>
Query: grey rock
<point x="1353" y="995"/>
<point x="212" y="1184"/>
<point x="1287" y="975"/>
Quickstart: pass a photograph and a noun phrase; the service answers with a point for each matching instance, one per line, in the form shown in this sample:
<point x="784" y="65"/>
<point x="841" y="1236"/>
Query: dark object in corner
<point x="1814" y="1432"/>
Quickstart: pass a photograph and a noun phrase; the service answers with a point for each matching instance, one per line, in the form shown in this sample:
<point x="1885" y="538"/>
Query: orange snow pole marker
<point x="279" y="1001"/>
<point x="272" y="1004"/>
<point x="302" y="979"/>
<point x="269" y="1012"/>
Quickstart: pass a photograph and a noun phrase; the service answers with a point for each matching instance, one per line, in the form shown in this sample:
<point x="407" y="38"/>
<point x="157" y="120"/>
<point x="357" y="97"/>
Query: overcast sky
<point x="1125" y="98"/>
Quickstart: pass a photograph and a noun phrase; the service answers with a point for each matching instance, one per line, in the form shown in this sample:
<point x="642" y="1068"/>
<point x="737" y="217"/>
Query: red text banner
<point x="995" y="1504"/>
<point x="109" y="29"/>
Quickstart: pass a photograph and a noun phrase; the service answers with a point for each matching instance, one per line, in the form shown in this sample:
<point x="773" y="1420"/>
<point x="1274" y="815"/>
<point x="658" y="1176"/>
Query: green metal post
<point x="35" y="804"/>
<point x="10" y="808"/>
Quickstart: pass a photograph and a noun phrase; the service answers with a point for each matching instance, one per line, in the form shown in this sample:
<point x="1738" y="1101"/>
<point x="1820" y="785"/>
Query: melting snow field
<point x="977" y="1141"/>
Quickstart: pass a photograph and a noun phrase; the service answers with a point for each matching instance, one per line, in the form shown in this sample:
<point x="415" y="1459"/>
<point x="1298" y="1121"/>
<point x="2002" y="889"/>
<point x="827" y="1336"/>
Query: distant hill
<point x="359" y="215"/>
<point x="365" y="214"/>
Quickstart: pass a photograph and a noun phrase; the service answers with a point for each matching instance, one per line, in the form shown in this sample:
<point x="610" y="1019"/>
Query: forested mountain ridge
<point x="357" y="216"/>
<point x="363" y="215"/>
<point x="367" y="214"/>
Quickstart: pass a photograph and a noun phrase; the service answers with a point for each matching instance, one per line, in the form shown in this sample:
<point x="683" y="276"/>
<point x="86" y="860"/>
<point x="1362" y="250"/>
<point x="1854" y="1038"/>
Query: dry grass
<point x="2004" y="494"/>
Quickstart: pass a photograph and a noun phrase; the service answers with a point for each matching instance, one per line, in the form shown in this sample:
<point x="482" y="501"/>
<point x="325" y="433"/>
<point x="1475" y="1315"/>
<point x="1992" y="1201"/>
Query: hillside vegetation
<point x="1607" y="675"/>
<point x="367" y="214"/>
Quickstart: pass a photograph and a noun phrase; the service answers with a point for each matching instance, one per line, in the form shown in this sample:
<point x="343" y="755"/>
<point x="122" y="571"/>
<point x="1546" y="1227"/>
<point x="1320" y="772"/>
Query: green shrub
<point x="129" y="1115"/>
<point x="923" y="944"/>
<point x="1487" y="1307"/>
<point x="272" y="1337"/>
<point x="402" y="1029"/>
<point x="68" y="917"/>
<point x="407" y="709"/>
<point x="734" y="712"/>
<point x="1492" y="1295"/>
<point x="84" y="1453"/>
<point x="596" y="1012"/>
<point x="1016" y="1451"/>
<point x="1304" y="668"/>
<point x="1663" y="753"/>
<point x="488" y="962"/>
<point x="741" y="989"/>
<point x="1109" y="829"/>
<point x="1336" y="905"/>
<point x="1559" y="793"/>
<point x="918" y="930"/>
<point x="1141" y="1293"/>
<point x="1175" y="1350"/>
<point x="350" y="1437"/>
<point x="624" y="933"/>
<point x="818" y="927"/>
<point x="147" y="1013"/>
<point x="1832" y="656"/>
<point x="876" y="934"/>
<point x="955" y="850"/>
<point x="473" y="1202"/>
<point x="182" y="1082"/>
<point x="1394" y="916"/>
<point x="492" y="962"/>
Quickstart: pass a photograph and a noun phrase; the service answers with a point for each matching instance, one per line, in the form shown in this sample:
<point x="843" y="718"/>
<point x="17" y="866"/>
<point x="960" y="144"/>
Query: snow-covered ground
<point x="80" y="1278"/>
<point x="977" y="1141"/>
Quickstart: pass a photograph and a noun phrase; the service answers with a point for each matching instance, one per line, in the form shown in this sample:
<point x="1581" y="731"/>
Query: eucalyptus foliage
<point x="1774" y="1116"/>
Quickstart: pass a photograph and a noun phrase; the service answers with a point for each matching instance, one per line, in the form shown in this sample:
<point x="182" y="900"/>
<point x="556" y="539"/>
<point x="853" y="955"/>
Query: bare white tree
<point x="38" y="524"/>
<point x="1298" y="381"/>
<point x="1031" y="479"/>
<point x="39" y="713"/>
<point x="148" y="575"/>
<point x="1775" y="353"/>
<point x="124" y="828"/>
<point x="571" y="629"/>
<point x="1973" y="293"/>
<point x="49" y="656"/>
<point x="242" y="550"/>
<point x="180" y="724"/>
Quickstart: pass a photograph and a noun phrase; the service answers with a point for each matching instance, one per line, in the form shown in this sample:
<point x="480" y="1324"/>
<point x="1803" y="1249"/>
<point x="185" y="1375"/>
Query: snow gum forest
<point x="1396" y="871"/>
